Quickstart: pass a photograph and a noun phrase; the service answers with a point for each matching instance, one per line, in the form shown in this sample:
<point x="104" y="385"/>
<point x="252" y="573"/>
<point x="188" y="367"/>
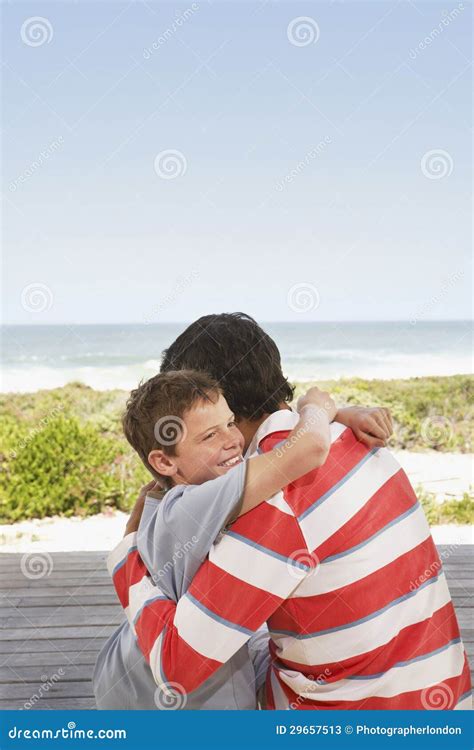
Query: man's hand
<point x="136" y="514"/>
<point x="320" y="399"/>
<point x="372" y="426"/>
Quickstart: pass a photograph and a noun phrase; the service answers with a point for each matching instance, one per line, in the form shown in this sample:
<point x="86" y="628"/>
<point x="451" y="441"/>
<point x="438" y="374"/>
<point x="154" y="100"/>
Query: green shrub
<point x="64" y="467"/>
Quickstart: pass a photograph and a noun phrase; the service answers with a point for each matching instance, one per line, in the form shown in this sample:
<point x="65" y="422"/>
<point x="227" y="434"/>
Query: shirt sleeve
<point x="176" y="534"/>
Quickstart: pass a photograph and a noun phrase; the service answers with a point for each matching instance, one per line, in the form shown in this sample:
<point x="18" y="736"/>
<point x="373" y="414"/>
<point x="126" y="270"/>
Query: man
<point x="336" y="565"/>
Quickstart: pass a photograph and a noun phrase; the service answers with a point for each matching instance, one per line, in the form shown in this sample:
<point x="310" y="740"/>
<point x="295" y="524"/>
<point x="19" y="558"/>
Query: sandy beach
<point x="448" y="475"/>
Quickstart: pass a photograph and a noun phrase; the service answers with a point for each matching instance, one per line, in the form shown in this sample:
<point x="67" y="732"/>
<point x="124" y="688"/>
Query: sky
<point x="298" y="161"/>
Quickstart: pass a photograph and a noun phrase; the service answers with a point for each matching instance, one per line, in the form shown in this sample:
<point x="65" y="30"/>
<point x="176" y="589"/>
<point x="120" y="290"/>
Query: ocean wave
<point x="24" y="379"/>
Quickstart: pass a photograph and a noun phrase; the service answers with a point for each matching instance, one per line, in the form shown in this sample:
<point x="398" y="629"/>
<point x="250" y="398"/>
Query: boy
<point x="176" y="535"/>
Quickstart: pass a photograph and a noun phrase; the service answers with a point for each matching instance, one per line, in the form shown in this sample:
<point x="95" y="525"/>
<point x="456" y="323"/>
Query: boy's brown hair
<point x="153" y="418"/>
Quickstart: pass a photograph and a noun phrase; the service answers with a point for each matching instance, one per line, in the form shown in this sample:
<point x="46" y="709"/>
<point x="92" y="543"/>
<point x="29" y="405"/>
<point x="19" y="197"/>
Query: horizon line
<point x="412" y="321"/>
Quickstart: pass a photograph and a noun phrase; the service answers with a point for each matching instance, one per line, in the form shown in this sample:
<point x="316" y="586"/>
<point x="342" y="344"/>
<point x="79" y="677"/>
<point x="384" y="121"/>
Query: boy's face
<point x="212" y="444"/>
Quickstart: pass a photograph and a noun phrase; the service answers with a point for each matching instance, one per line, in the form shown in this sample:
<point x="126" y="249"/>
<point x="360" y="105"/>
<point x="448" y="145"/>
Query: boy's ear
<point x="162" y="463"/>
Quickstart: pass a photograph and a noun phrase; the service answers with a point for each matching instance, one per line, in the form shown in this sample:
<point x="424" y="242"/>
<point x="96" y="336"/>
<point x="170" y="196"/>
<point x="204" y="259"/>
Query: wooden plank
<point x="63" y="618"/>
<point x="67" y="610"/>
<point x="62" y="645"/>
<point x="53" y="704"/>
<point x="56" y="566"/>
<point x="26" y="690"/>
<point x="38" y="634"/>
<point x="49" y="660"/>
<point x="100" y="589"/>
<point x="41" y="673"/>
<point x="55" y="582"/>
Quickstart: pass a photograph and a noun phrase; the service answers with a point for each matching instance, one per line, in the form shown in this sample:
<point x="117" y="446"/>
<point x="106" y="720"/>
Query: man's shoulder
<point x="282" y="421"/>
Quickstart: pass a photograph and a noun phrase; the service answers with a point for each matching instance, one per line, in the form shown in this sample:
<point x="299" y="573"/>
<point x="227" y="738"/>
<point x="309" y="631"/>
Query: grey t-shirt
<point x="174" y="538"/>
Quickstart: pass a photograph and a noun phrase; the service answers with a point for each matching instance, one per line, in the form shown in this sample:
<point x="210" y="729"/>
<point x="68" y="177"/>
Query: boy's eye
<point x="209" y="435"/>
<point x="231" y="423"/>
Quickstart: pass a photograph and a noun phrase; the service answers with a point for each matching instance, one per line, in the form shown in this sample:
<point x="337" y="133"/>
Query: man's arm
<point x="234" y="592"/>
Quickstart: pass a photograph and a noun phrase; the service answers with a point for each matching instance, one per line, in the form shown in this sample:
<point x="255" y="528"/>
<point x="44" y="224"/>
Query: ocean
<point x="119" y="356"/>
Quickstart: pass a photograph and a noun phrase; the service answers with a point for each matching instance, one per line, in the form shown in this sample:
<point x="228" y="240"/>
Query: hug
<point x="278" y="560"/>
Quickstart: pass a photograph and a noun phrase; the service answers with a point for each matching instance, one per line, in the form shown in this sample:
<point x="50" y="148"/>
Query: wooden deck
<point x="51" y="628"/>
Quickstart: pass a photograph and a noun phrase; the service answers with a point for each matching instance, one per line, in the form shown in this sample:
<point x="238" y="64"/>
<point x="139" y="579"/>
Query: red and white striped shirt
<point x="342" y="567"/>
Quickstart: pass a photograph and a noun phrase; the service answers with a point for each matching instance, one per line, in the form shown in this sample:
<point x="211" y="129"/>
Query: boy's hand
<point x="320" y="399"/>
<point x="372" y="426"/>
<point x="136" y="514"/>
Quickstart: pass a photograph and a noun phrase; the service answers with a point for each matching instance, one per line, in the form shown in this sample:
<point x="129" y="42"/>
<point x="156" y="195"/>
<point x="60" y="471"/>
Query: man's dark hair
<point x="235" y="351"/>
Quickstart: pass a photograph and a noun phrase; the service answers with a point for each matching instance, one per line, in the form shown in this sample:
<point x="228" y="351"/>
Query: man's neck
<point x="248" y="427"/>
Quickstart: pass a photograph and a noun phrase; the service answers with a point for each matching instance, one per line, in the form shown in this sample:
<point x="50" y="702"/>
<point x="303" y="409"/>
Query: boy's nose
<point x="230" y="440"/>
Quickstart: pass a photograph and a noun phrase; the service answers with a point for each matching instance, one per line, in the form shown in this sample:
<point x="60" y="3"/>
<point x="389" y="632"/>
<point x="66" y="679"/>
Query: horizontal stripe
<point x="367" y="618"/>
<point x="325" y="519"/>
<point x="388" y="544"/>
<point x="410" y="700"/>
<point x="414" y="641"/>
<point x="390" y="501"/>
<point x="141" y="594"/>
<point x="367" y="634"/>
<point x="258" y="566"/>
<point x="206" y="634"/>
<point x="437" y="668"/>
<point x="222" y="620"/>
<point x="234" y="600"/>
<point x="338" y="485"/>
